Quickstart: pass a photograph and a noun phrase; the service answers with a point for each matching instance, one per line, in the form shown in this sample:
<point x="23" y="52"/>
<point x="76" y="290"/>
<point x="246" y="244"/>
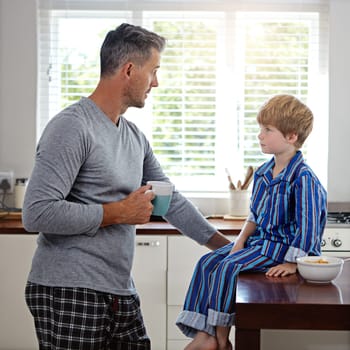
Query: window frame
<point x="193" y="184"/>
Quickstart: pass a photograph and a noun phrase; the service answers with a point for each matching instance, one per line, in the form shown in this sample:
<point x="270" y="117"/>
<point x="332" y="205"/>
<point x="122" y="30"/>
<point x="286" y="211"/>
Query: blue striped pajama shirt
<point x="290" y="213"/>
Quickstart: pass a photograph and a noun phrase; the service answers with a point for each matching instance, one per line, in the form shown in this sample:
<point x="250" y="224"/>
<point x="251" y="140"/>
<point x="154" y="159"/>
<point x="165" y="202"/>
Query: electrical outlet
<point x="6" y="181"/>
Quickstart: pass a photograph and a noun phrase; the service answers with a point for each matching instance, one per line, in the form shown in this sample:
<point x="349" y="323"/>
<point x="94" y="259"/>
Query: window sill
<point x="209" y="203"/>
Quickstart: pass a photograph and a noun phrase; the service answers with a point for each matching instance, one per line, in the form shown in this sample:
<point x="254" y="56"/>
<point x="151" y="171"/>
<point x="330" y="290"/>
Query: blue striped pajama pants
<point x="210" y="299"/>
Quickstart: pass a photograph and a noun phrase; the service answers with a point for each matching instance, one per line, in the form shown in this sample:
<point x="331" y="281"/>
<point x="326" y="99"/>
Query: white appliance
<point x="336" y="237"/>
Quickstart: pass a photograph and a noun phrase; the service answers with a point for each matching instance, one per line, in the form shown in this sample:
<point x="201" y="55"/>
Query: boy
<point x="287" y="219"/>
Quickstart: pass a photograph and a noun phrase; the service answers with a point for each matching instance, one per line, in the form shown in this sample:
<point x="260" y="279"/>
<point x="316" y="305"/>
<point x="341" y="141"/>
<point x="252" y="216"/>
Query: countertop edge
<point x="227" y="227"/>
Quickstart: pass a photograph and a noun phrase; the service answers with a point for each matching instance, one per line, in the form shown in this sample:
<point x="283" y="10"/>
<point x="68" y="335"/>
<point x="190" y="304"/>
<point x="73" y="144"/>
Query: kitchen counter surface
<point x="12" y="223"/>
<point x="289" y="303"/>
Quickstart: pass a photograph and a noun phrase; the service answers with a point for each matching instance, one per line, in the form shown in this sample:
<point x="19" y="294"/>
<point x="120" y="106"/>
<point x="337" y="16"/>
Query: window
<point x="221" y="63"/>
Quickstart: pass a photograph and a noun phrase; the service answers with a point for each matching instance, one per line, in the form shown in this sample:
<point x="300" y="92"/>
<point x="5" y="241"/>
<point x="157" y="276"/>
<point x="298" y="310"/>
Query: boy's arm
<point x="310" y="217"/>
<point x="310" y="214"/>
<point x="247" y="230"/>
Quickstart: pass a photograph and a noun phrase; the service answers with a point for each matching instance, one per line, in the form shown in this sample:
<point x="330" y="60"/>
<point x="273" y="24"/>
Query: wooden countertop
<point x="228" y="227"/>
<point x="289" y="303"/>
<point x="12" y="223"/>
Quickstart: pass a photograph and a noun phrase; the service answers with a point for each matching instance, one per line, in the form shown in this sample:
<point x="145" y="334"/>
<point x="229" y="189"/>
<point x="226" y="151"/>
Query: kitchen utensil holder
<point x="239" y="202"/>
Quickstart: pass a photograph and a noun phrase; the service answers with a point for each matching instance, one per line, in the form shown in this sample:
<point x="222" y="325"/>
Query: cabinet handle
<point x="148" y="244"/>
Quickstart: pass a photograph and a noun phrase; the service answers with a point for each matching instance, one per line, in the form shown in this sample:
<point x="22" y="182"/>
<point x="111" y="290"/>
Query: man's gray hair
<point x="128" y="43"/>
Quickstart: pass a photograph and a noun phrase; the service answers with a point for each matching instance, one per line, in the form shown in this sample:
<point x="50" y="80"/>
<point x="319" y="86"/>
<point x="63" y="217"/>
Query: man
<point x="86" y="194"/>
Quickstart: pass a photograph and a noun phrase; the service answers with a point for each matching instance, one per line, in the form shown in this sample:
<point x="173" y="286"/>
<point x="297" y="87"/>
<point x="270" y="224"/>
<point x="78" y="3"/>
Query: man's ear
<point x="127" y="68"/>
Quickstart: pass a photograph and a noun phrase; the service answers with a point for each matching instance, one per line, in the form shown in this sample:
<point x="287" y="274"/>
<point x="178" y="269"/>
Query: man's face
<point x="142" y="80"/>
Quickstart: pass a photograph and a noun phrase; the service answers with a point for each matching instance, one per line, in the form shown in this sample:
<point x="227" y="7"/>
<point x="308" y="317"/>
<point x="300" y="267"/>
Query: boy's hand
<point x="282" y="270"/>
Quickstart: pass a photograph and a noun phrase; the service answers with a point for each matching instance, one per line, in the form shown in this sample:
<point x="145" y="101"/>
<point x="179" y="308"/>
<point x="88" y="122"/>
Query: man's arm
<point x="218" y="240"/>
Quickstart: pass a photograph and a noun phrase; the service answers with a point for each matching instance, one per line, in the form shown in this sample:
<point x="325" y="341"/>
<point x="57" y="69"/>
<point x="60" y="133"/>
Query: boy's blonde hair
<point x="288" y="115"/>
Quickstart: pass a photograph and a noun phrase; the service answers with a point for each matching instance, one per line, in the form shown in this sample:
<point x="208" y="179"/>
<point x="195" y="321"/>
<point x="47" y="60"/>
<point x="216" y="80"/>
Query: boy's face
<point x="272" y="141"/>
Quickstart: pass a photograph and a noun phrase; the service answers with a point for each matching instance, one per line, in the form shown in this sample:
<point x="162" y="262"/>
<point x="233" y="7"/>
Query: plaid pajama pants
<point x="81" y="318"/>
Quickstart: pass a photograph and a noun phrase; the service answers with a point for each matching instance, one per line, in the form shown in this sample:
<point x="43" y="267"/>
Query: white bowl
<point x="320" y="269"/>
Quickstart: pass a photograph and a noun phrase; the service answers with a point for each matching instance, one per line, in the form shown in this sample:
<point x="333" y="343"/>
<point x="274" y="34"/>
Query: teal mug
<point x="163" y="192"/>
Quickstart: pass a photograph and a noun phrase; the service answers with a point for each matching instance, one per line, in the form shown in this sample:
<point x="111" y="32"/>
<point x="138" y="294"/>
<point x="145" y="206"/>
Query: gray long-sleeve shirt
<point x="84" y="160"/>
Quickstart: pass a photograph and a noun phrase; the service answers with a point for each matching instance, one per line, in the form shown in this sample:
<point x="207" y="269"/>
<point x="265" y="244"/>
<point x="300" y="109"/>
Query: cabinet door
<point x="183" y="254"/>
<point x="149" y="273"/>
<point x="16" y="324"/>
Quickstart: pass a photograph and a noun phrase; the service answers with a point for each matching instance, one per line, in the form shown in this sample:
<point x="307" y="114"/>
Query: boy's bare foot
<point x="203" y="341"/>
<point x="222" y="337"/>
<point x="227" y="346"/>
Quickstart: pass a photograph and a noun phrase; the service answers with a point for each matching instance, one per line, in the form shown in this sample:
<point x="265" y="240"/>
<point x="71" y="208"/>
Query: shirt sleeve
<point x="182" y="214"/>
<point x="59" y="156"/>
<point x="309" y="216"/>
<point x="188" y="220"/>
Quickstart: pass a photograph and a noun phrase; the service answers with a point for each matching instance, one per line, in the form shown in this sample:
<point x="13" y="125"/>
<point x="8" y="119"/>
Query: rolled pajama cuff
<point x="190" y="323"/>
<point x="216" y="318"/>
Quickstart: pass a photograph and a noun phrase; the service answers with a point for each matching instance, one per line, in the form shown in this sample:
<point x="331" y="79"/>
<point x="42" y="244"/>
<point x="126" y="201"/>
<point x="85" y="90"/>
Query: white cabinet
<point x="183" y="254"/>
<point x="162" y="270"/>
<point x="150" y="273"/>
<point x="17" y="330"/>
<point x="16" y="324"/>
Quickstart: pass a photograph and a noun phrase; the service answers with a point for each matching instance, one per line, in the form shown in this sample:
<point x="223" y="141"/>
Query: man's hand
<point x="217" y="241"/>
<point x="134" y="209"/>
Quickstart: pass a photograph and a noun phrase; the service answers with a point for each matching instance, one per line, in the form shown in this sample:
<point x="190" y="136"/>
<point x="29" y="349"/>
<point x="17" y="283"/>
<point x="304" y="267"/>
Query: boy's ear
<point x="292" y="138"/>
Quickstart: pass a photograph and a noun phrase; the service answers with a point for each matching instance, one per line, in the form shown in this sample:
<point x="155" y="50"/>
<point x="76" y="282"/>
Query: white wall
<point x="17" y="85"/>
<point x="339" y="125"/>
<point x="18" y="92"/>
